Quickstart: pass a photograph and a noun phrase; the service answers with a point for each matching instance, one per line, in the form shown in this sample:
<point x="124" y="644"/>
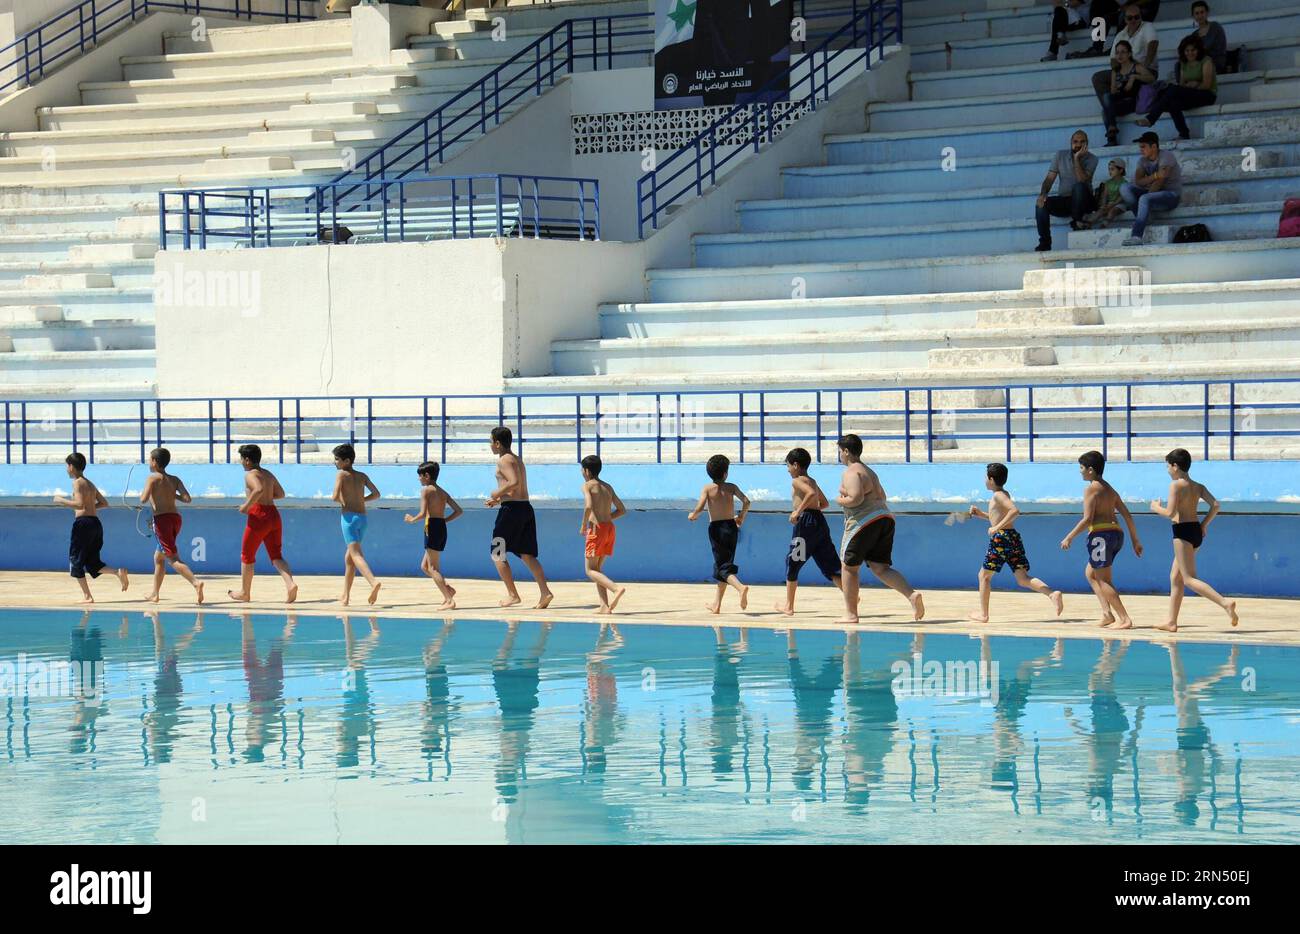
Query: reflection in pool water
<point x="175" y="728"/>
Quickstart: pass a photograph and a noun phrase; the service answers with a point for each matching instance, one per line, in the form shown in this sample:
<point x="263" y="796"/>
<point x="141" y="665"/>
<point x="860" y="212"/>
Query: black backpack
<point x="1192" y="233"/>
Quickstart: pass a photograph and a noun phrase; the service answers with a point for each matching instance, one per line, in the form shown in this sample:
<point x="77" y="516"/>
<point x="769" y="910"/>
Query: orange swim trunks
<point x="600" y="540"/>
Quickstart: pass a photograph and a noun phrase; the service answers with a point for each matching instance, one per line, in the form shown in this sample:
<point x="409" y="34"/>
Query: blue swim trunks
<point x="1104" y="543"/>
<point x="354" y="526"/>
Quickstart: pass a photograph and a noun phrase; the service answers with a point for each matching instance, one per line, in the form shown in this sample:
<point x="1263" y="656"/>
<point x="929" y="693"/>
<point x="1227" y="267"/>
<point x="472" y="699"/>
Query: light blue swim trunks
<point x="354" y="526"/>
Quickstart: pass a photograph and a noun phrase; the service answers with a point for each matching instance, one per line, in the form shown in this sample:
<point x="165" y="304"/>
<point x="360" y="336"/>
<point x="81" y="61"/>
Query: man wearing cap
<point x="1157" y="185"/>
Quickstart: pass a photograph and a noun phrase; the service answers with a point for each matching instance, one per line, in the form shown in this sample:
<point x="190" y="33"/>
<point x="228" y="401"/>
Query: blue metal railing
<point x="529" y="72"/>
<point x="866" y="31"/>
<point x="421" y="207"/>
<point x="749" y="425"/>
<point x="83" y="26"/>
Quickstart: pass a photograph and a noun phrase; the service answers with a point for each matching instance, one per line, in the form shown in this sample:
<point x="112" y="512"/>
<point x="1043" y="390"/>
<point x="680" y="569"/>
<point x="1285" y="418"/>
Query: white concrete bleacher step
<point x="1149" y="342"/>
<point x="1244" y="221"/>
<point x="1206" y="301"/>
<point x="306" y="35"/>
<point x="92" y="336"/>
<point x="1222" y="122"/>
<point x="216" y="88"/>
<point x="448" y="29"/>
<point x="112" y="252"/>
<point x="72" y="367"/>
<point x="56" y="282"/>
<point x="775" y="376"/>
<point x="29" y="314"/>
<point x="1077" y="103"/>
<point x="969" y="358"/>
<point x="233" y="63"/>
<point x="1050" y="316"/>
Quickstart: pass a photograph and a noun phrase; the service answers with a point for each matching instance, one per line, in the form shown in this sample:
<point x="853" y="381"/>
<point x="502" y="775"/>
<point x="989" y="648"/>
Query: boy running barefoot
<point x="724" y="528"/>
<point x="161" y="491"/>
<point x="515" y="531"/>
<point x="434" y="503"/>
<point x="1005" y="546"/>
<point x="1185" y="496"/>
<point x="811" y="539"/>
<point x="87" y="530"/>
<point x="868" y="532"/>
<point x="264" y="525"/>
<point x="1105" y="540"/>
<point x="352" y="490"/>
<point x="601" y="506"/>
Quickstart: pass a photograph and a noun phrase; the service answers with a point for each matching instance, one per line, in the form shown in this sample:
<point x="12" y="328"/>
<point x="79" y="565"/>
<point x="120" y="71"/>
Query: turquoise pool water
<point x="122" y="728"/>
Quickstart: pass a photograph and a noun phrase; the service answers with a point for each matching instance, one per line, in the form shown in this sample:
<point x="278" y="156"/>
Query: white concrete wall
<point x="446" y="317"/>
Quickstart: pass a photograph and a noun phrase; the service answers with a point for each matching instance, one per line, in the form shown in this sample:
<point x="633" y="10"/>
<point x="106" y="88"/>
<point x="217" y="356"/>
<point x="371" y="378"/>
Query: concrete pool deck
<point x="1263" y="621"/>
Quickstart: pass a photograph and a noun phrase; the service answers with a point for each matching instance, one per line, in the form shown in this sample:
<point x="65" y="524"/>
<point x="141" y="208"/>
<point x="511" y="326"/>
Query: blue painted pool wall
<point x="1244" y="554"/>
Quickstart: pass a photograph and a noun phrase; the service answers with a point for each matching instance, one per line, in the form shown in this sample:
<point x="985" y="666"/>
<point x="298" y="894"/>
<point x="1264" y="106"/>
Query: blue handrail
<point x="533" y="69"/>
<point x="744" y="423"/>
<point x="81" y="27"/>
<point x="415" y="207"/>
<point x="876" y="24"/>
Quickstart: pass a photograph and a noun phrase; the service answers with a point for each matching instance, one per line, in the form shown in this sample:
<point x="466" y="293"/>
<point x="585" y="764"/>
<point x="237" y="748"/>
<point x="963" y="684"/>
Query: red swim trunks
<point x="600" y="540"/>
<point x="263" y="529"/>
<point x="167" y="526"/>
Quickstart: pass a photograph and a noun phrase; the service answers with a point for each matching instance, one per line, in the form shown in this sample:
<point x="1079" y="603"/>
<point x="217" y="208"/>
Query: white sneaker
<point x="1133" y="241"/>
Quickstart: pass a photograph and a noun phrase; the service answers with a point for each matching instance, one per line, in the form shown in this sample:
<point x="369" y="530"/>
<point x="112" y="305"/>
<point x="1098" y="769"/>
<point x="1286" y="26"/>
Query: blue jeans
<point x="1114" y="106"/>
<point x="1142" y="202"/>
<point x="1074" y="205"/>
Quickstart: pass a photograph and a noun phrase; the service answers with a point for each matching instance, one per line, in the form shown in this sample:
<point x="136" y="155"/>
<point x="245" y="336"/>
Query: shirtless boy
<point x="1185" y="496"/>
<point x="352" y="490"/>
<point x="719" y="497"/>
<point x="811" y="538"/>
<point x="868" y="532"/>
<point x="161" y="492"/>
<point x="601" y="506"/>
<point x="1105" y="540"/>
<point x="264" y="526"/>
<point x="434" y="502"/>
<point x="515" y="531"/>
<point x="87" y="530"/>
<point x="1005" y="545"/>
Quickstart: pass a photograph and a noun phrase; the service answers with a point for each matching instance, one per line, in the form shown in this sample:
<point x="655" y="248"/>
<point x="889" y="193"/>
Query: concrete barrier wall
<point x="456" y="316"/>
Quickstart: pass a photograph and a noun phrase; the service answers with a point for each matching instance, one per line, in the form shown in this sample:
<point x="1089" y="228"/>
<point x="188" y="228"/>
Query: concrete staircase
<point x="265" y="103"/>
<point x="905" y="274"/>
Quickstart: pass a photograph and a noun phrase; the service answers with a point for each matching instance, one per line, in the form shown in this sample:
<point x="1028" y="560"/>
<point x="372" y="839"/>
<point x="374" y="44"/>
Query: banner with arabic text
<point x="718" y="52"/>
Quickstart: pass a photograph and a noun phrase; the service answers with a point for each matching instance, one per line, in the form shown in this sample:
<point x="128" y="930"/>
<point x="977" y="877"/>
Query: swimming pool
<point x="126" y="728"/>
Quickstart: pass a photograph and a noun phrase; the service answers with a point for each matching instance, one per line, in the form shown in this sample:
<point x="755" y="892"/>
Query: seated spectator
<point x="1149" y="9"/>
<point x="1108" y="12"/>
<point x="1072" y="170"/>
<point x="1198" y="86"/>
<point x="1212" y="36"/>
<point x="1157" y="185"/>
<point x="1126" y="79"/>
<point x="1142" y="40"/>
<point x="1067" y="16"/>
<point x="1109" y="197"/>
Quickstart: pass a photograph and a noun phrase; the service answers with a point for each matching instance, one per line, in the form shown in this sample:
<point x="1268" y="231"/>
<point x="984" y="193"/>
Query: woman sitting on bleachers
<point x="1198" y="86"/>
<point x="1127" y="77"/>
